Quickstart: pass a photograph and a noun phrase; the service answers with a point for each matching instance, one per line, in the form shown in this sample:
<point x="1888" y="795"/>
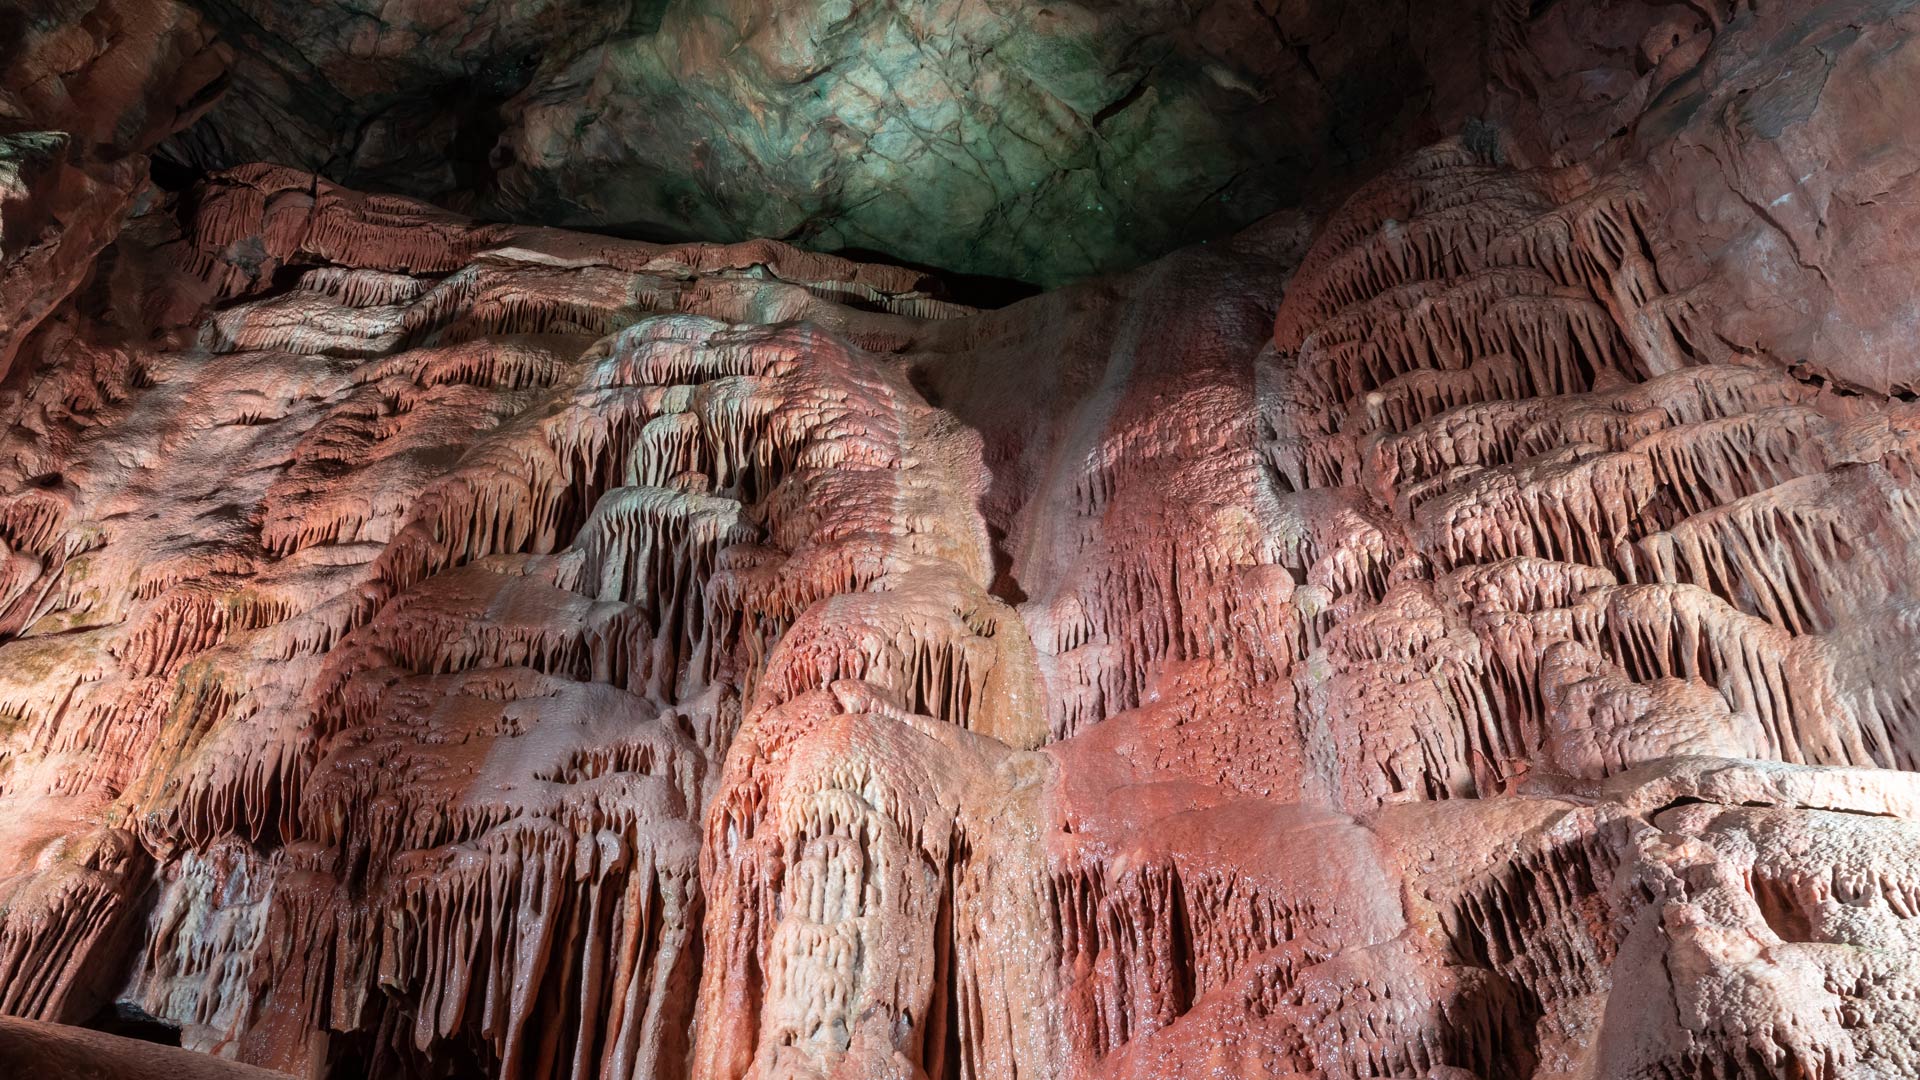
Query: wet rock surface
<point x="1466" y="632"/>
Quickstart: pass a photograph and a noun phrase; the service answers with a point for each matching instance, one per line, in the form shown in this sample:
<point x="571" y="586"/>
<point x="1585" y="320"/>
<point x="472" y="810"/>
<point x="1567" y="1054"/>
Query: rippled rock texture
<point x="1469" y="633"/>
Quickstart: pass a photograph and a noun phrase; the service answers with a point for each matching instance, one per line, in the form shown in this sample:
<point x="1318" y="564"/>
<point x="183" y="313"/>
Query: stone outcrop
<point x="86" y="87"/>
<point x="1039" y="142"/>
<point x="1466" y="633"/>
<point x="34" y="1049"/>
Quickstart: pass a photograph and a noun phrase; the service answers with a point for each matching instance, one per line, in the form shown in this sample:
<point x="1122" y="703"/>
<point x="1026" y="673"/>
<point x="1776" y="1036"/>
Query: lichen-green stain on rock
<point x="1038" y="142"/>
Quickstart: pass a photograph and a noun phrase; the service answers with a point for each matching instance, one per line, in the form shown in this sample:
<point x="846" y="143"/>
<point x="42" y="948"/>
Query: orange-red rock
<point x="1468" y="633"/>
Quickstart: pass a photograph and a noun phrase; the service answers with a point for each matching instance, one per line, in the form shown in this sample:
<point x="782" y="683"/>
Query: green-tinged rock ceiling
<point x="1038" y="142"/>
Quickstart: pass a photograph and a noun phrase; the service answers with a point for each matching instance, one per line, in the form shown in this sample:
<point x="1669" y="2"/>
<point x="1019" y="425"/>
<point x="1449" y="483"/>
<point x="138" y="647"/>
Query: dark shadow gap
<point x="973" y="290"/>
<point x="129" y="1021"/>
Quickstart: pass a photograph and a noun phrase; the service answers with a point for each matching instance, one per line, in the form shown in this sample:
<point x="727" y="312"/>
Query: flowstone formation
<point x="1465" y="634"/>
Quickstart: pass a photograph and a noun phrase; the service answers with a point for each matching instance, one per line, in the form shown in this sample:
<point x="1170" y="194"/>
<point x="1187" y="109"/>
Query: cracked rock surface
<point x="1039" y="142"/>
<point x="1466" y="633"/>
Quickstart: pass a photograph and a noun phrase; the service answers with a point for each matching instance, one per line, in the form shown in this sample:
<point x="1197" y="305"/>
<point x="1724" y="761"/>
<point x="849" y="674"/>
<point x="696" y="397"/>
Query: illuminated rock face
<point x="1038" y="142"/>
<point x="1468" y="633"/>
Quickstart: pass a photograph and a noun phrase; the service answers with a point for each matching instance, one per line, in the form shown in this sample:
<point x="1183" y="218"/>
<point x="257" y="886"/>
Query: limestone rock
<point x="1042" y="142"/>
<point x="86" y="87"/>
<point x="1468" y="632"/>
<point x="31" y="1049"/>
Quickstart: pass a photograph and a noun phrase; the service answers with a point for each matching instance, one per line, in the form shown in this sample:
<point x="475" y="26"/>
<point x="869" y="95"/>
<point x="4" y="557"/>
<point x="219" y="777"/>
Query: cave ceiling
<point x="1038" y="142"/>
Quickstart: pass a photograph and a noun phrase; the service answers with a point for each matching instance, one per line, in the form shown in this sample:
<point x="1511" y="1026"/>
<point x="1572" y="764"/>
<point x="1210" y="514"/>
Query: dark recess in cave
<point x="130" y="1022"/>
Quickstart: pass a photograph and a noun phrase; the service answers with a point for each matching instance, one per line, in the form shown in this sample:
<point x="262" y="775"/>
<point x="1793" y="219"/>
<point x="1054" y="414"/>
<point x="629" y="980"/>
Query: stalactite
<point x="512" y="651"/>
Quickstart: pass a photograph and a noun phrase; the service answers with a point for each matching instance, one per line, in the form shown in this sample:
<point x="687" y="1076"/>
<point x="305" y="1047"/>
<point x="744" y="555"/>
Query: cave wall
<point x="1466" y="632"/>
